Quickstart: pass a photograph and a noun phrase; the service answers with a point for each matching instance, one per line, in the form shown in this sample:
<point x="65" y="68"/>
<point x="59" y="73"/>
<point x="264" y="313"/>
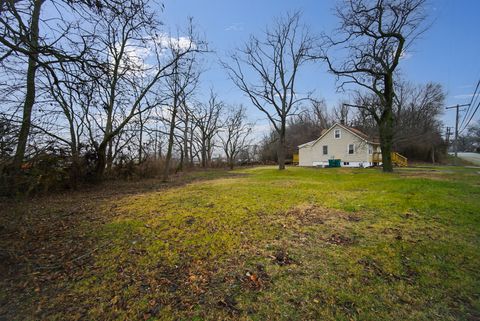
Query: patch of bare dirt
<point x="373" y="267"/>
<point x="339" y="239"/>
<point x="282" y="258"/>
<point x="313" y="214"/>
<point x="431" y="174"/>
<point x="396" y="232"/>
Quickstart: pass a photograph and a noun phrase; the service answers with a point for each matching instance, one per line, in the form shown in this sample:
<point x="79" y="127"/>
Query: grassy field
<point x="259" y="244"/>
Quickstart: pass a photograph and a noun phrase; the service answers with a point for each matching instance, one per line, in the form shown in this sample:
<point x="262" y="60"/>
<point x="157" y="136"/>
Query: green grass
<point x="357" y="244"/>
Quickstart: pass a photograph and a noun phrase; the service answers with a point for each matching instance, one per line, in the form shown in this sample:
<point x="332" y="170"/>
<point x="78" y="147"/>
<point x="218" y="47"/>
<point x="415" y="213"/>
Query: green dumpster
<point x="333" y="163"/>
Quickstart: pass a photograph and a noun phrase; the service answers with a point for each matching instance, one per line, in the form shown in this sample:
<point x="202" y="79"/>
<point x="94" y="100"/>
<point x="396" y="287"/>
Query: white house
<point x="351" y="146"/>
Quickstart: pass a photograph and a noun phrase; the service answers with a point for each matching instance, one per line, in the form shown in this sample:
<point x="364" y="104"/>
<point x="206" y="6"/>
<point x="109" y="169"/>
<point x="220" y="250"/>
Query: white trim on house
<point x="353" y="149"/>
<point x="306" y="144"/>
<point x="313" y="142"/>
<point x="339" y="134"/>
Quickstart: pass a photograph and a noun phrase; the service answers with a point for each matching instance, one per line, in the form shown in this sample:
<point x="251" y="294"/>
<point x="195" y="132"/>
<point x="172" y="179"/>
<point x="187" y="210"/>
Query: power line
<point x="470" y="104"/>
<point x="468" y="123"/>
<point x="475" y="101"/>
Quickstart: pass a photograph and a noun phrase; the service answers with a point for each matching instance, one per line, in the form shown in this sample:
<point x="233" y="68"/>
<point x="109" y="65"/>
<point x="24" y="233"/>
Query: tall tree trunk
<point x="386" y="126"/>
<point x="101" y="161"/>
<point x="30" y="88"/>
<point x="180" y="165"/>
<point x="140" y="140"/>
<point x="185" y="142"/>
<point x="209" y="152"/>
<point x="155" y="146"/>
<point x="74" y="174"/>
<point x="386" y="146"/>
<point x="110" y="155"/>
<point x="281" y="146"/>
<point x="190" y="151"/>
<point x="204" y="151"/>
<point x="171" y="137"/>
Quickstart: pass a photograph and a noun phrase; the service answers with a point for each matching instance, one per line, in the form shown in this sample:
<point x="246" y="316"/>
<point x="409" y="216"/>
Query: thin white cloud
<point x="182" y="43"/>
<point x="138" y="56"/>
<point x="135" y="56"/>
<point x="237" y="26"/>
<point x="406" y="55"/>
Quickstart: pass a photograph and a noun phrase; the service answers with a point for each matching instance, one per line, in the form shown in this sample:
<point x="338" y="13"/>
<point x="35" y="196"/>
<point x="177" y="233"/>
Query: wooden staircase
<point x="295" y="159"/>
<point x="397" y="159"/>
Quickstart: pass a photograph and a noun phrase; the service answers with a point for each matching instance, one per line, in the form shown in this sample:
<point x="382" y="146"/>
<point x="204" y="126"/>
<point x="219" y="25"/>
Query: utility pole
<point x="448" y="135"/>
<point x="457" y="107"/>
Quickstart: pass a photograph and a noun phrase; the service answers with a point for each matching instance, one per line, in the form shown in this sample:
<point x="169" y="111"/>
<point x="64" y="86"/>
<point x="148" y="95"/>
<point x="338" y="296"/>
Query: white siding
<point x="305" y="156"/>
<point x="312" y="155"/>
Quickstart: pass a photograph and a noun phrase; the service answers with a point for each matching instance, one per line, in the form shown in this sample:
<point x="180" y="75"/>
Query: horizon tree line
<point x="106" y="84"/>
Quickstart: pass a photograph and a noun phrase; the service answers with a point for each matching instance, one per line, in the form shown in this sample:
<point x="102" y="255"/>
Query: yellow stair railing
<point x="296" y="159"/>
<point x="399" y="160"/>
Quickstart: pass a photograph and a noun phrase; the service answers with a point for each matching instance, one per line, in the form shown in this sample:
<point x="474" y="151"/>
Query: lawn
<point x="253" y="244"/>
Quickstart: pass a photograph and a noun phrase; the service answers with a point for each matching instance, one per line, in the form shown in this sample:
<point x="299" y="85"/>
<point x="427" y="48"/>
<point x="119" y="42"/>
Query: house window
<point x="351" y="148"/>
<point x="325" y="149"/>
<point x="370" y="150"/>
<point x="337" y="133"/>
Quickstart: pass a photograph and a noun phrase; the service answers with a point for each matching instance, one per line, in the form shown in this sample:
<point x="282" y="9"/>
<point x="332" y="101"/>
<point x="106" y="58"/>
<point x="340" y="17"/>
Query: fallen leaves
<point x="281" y="258"/>
<point x="257" y="279"/>
<point x="339" y="239"/>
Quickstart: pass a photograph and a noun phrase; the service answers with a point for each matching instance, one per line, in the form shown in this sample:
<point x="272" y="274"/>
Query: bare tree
<point x="36" y="41"/>
<point x="273" y="63"/>
<point x="303" y="127"/>
<point x="185" y="119"/>
<point x="207" y="123"/>
<point x="307" y="125"/>
<point x="74" y="95"/>
<point x="235" y="134"/>
<point x="470" y="140"/>
<point x="129" y="83"/>
<point x="181" y="83"/>
<point x="342" y="112"/>
<point x="20" y="34"/>
<point x="416" y="110"/>
<point x="319" y="114"/>
<point x="373" y="36"/>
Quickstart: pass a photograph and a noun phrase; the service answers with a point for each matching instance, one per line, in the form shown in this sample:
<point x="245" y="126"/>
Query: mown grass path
<point x="319" y="244"/>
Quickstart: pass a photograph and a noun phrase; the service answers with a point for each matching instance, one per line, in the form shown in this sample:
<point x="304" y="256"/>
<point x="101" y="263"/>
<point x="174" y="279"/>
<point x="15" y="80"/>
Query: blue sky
<point x="448" y="53"/>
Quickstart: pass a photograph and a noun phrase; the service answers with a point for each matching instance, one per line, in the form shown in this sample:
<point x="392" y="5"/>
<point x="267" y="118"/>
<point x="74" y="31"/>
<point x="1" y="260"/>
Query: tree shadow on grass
<point x="49" y="242"/>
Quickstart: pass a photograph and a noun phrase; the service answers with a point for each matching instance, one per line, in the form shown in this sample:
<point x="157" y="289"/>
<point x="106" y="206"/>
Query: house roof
<point x="352" y="130"/>
<point x="307" y="144"/>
